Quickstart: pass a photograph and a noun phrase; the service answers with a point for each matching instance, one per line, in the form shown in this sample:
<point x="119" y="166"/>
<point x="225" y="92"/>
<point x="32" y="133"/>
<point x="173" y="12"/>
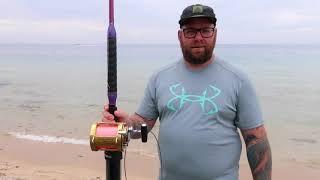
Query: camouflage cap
<point x="197" y="10"/>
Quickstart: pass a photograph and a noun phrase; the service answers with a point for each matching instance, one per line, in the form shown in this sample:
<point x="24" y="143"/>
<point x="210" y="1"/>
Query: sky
<point x="156" y="21"/>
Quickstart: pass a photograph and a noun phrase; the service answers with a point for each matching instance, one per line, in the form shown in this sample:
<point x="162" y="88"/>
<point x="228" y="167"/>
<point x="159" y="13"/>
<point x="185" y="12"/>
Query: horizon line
<point x="104" y="44"/>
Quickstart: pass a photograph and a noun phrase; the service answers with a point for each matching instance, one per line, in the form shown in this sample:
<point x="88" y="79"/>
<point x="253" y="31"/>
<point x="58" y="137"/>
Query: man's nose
<point x="198" y="36"/>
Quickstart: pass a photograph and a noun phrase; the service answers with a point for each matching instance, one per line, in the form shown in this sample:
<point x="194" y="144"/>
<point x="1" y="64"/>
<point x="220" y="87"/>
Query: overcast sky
<point x="156" y="21"/>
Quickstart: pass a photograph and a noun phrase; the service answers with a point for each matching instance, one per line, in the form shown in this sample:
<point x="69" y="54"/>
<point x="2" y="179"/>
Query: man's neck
<point x="196" y="67"/>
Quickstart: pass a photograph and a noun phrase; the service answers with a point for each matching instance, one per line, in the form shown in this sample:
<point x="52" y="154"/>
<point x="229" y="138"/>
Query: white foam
<point x="50" y="139"/>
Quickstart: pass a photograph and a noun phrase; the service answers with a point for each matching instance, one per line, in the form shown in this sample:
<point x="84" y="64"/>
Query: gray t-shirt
<point x="199" y="113"/>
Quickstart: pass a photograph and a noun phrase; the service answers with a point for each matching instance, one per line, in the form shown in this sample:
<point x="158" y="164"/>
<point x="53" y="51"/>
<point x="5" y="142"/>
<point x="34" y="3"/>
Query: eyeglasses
<point x="192" y="32"/>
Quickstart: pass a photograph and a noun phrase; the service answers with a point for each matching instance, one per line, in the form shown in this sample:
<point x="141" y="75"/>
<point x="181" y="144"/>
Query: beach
<point x="51" y="94"/>
<point x="22" y="160"/>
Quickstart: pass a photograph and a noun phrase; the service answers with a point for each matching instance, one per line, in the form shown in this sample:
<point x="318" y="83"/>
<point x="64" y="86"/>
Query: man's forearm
<point x="259" y="157"/>
<point x="135" y="121"/>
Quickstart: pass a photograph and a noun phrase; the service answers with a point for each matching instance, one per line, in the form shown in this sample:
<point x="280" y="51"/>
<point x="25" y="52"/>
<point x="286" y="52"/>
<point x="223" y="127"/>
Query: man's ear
<point x="215" y="37"/>
<point x="180" y="34"/>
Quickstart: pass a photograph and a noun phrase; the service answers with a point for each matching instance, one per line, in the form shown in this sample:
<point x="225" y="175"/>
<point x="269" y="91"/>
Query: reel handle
<point x="144" y="133"/>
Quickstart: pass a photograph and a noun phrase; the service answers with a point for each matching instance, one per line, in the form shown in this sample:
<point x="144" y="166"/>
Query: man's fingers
<point x="121" y="114"/>
<point x="106" y="107"/>
<point x="106" y="116"/>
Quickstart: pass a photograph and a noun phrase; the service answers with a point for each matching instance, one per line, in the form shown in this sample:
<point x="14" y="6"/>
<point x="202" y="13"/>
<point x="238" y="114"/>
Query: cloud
<point x="148" y="21"/>
<point x="5" y="22"/>
<point x="293" y="17"/>
<point x="37" y="31"/>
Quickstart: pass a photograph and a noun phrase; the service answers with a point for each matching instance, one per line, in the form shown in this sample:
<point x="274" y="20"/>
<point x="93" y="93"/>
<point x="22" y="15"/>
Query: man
<point x="200" y="102"/>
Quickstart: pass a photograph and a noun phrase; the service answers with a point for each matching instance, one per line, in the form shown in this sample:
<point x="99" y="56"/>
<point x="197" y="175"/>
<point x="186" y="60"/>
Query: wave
<point x="50" y="139"/>
<point x="64" y="140"/>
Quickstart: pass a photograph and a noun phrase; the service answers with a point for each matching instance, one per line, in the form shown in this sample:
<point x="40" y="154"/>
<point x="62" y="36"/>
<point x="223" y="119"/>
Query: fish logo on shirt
<point x="181" y="97"/>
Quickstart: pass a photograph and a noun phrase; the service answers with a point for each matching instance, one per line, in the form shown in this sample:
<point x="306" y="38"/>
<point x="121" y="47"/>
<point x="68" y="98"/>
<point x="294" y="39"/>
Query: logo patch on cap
<point x="197" y="9"/>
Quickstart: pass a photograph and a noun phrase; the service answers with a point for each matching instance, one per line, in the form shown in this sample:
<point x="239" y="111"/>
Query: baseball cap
<point x="197" y="10"/>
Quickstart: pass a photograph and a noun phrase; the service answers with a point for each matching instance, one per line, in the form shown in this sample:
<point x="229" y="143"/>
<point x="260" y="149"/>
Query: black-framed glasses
<point x="192" y="32"/>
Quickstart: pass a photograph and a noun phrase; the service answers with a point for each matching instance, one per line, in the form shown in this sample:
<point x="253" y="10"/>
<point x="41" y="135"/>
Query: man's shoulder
<point x="166" y="69"/>
<point x="231" y="69"/>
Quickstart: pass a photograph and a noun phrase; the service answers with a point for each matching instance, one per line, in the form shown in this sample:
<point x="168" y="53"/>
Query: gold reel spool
<point x="109" y="136"/>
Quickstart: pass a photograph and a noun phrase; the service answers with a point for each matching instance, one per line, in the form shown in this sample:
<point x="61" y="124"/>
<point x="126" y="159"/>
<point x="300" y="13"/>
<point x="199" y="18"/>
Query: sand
<point x="24" y="160"/>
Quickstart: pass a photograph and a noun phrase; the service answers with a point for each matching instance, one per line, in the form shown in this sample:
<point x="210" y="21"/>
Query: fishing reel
<point x="114" y="136"/>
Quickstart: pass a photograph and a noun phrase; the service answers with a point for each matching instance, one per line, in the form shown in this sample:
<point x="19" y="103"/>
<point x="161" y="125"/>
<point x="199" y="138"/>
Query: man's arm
<point x="258" y="152"/>
<point x="136" y="120"/>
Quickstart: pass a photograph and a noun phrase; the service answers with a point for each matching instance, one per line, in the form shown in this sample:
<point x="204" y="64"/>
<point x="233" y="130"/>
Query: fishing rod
<point x="113" y="137"/>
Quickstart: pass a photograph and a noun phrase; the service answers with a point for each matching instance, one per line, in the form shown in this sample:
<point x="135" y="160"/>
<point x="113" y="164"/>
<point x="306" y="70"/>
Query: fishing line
<point x="159" y="152"/>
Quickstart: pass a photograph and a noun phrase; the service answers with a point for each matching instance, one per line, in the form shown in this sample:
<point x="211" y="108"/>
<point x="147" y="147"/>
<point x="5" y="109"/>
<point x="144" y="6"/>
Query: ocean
<point x="53" y="93"/>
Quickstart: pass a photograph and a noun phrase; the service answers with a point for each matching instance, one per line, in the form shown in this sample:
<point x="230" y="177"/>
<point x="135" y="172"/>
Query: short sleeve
<point x="148" y="105"/>
<point x="249" y="113"/>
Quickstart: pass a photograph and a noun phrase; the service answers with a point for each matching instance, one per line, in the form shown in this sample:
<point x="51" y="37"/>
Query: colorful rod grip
<point x="112" y="65"/>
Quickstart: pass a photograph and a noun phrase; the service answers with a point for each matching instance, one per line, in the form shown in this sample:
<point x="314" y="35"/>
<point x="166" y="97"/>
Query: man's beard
<point x="203" y="58"/>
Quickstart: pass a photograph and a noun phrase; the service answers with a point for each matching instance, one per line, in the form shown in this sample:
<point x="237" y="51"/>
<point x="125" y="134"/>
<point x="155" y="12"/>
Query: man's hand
<point x="134" y="120"/>
<point x="258" y="152"/>
<point x="121" y="115"/>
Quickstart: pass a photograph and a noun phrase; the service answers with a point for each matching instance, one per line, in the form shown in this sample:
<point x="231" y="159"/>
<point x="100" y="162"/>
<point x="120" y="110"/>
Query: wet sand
<point x="24" y="160"/>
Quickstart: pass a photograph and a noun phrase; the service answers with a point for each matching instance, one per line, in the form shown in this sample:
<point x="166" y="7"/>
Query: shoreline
<point x="24" y="159"/>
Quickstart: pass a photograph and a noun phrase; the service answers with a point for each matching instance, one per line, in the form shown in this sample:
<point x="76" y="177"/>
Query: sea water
<point x="53" y="93"/>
